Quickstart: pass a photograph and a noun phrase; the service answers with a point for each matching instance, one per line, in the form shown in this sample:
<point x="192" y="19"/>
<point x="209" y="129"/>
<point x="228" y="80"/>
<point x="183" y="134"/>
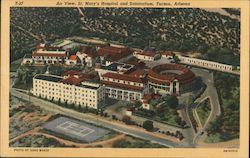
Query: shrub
<point x="106" y="114"/>
<point x="148" y="125"/>
<point x="126" y="119"/>
<point x="121" y="144"/>
<point x="114" y="117"/>
<point x="167" y="133"/>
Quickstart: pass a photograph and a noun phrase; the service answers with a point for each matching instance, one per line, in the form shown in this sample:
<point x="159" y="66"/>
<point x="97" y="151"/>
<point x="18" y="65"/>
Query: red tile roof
<point x="123" y="86"/>
<point x="72" y="73"/>
<point x="146" y="98"/>
<point x="158" y="80"/>
<point x="87" y="77"/>
<point x="147" y="53"/>
<point x="48" y="48"/>
<point x="167" y="53"/>
<point x="72" y="80"/>
<point x="124" y="77"/>
<point x="82" y="76"/>
<point x="155" y="75"/>
<point x="134" y="61"/>
<point x="110" y="49"/>
<point x="87" y="50"/>
<point x="73" y="57"/>
<point x="114" y="53"/>
<point x="138" y="73"/>
<point x="49" y="54"/>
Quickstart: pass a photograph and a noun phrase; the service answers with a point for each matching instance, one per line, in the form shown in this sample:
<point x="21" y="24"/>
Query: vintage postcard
<point x="125" y="78"/>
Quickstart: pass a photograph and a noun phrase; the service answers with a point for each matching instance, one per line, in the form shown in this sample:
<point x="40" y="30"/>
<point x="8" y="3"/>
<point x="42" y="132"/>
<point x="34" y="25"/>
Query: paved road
<point x="101" y="122"/>
<point x="210" y="92"/>
<point x="188" y="133"/>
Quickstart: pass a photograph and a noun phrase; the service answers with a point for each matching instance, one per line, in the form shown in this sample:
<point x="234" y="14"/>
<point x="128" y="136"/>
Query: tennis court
<point x="75" y="129"/>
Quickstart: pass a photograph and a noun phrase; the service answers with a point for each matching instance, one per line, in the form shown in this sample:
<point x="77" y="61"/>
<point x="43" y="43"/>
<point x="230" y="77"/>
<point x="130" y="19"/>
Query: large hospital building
<point x="71" y="89"/>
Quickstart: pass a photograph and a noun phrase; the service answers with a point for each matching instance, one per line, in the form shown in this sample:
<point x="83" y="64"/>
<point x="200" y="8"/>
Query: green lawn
<point x="203" y="110"/>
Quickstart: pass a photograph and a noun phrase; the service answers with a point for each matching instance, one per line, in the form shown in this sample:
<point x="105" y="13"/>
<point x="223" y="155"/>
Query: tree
<point x="235" y="93"/>
<point x="98" y="60"/>
<point x="138" y="104"/>
<point x="101" y="113"/>
<point x="190" y="100"/>
<point x="176" y="59"/>
<point x="183" y="123"/>
<point x="121" y="144"/>
<point x="148" y="125"/>
<point x="126" y="119"/>
<point x="159" y="110"/>
<point x="202" y="48"/>
<point x="65" y="104"/>
<point x="106" y="114"/>
<point x="198" y="83"/>
<point x="153" y="102"/>
<point x="129" y="106"/>
<point x="214" y="126"/>
<point x="79" y="108"/>
<point x="59" y="101"/>
<point x="114" y="117"/>
<point x="177" y="119"/>
<point x="171" y="101"/>
<point x="92" y="12"/>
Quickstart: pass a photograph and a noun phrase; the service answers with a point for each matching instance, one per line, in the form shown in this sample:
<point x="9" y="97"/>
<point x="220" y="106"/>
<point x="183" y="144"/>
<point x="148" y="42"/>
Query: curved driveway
<point x="211" y="92"/>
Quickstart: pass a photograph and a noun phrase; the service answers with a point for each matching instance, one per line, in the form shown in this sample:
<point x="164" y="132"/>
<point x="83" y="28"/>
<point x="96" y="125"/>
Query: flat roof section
<point x="113" y="66"/>
<point x="48" y="78"/>
<point x="90" y="85"/>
